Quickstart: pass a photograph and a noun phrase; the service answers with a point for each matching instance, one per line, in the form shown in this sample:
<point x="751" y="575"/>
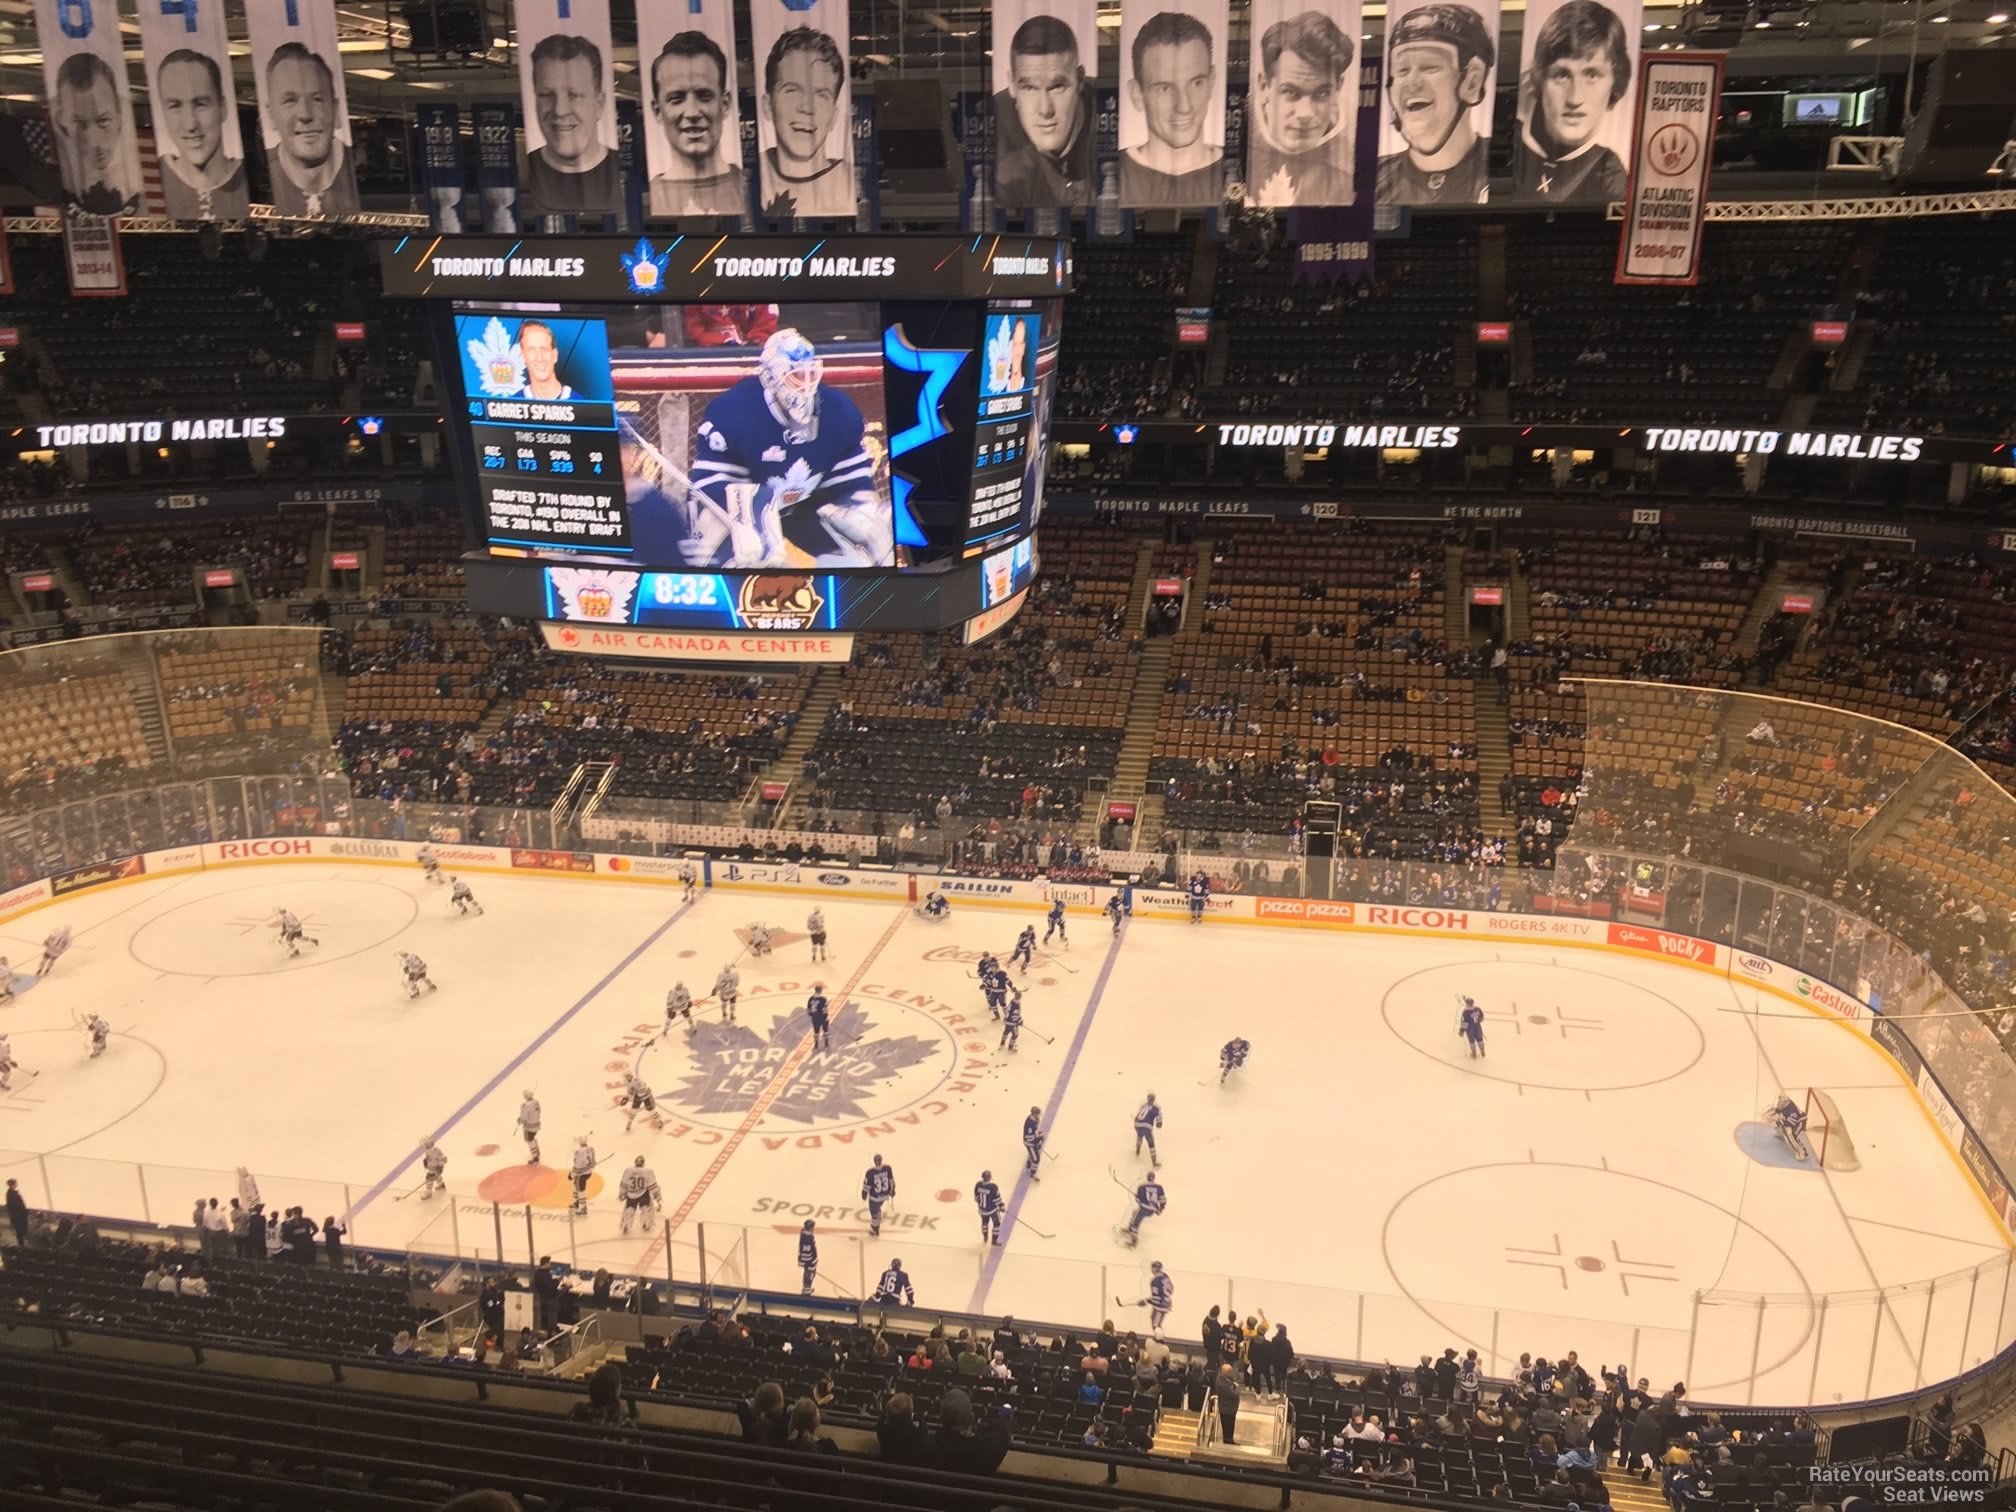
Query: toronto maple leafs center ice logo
<point x="738" y="1063"/>
<point x="500" y="369"/>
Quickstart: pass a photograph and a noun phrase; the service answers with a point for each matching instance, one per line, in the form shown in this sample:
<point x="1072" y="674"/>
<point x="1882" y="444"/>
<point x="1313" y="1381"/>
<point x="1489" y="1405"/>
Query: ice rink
<point x="1596" y="1183"/>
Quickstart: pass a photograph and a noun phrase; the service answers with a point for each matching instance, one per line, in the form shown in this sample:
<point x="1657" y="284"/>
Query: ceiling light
<point x="1998" y="18"/>
<point x="1651" y="26"/>
<point x="1109" y="21"/>
<point x="372" y="73"/>
<point x="1763" y="26"/>
<point x="1941" y="20"/>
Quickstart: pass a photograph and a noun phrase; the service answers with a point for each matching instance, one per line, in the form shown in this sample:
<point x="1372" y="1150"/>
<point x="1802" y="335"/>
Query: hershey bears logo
<point x="780" y="601"/>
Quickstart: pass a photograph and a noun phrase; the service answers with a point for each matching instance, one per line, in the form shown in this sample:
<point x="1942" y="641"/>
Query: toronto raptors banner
<point x="1577" y="62"/>
<point x="692" y="134"/>
<point x="84" y="70"/>
<point x="1172" y="103"/>
<point x="1666" y="201"/>
<point x="1302" y="122"/>
<point x="565" y="64"/>
<point x="1046" y="54"/>
<point x="196" y="135"/>
<point x="1435" y="131"/>
<point x="804" y="119"/>
<point x="304" y="115"/>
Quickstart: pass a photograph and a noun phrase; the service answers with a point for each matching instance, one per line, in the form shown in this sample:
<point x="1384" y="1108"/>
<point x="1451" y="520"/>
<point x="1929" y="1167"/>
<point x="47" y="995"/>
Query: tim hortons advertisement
<point x="96" y="876"/>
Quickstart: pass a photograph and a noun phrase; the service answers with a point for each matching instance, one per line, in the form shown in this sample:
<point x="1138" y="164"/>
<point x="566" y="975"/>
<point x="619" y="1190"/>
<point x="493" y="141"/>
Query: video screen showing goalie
<point x="754" y="435"/>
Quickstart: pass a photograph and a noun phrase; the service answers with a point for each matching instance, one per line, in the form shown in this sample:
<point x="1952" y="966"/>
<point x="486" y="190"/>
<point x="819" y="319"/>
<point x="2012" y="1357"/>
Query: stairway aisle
<point x="1494" y="757"/>
<point x="790" y="764"/>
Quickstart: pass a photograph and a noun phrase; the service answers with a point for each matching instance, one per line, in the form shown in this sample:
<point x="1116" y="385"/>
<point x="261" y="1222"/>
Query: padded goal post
<point x="1826" y="1134"/>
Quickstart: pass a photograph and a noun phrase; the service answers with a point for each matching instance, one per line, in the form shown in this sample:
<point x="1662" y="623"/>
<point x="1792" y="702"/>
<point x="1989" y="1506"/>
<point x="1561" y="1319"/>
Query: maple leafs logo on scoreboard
<point x="500" y="369"/>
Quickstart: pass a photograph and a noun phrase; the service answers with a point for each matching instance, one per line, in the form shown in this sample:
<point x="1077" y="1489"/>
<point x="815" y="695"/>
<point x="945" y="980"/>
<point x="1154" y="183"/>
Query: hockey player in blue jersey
<point x="1200" y="889"/>
<point x="1149" y="1200"/>
<point x="995" y="983"/>
<point x="878" y="1186"/>
<point x="808" y="1257"/>
<point x="987" y="1197"/>
<point x="1790" y="1121"/>
<point x="1032" y="1142"/>
<point x="1231" y="1058"/>
<point x="935" y="906"/>
<point x="1147" y="1119"/>
<point x="1025" y="947"/>
<point x="1011" y="1027"/>
<point x="1056" y="922"/>
<point x="781" y="473"/>
<point x="1161" y="1297"/>
<point x="1115" y="910"/>
<point x="818" y="1011"/>
<point x="895" y="1286"/>
<point x="1470" y="1025"/>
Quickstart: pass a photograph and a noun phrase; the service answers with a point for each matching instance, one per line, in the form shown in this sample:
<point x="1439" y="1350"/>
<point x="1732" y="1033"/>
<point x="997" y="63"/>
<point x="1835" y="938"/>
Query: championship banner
<point x="693" y="138"/>
<point x="867" y="165"/>
<point x="6" y="261"/>
<point x="1108" y="222"/>
<point x="974" y="125"/>
<point x="1302" y="131"/>
<point x="91" y="252"/>
<point x="1666" y="202"/>
<point x="572" y="167"/>
<point x="440" y="129"/>
<point x="752" y="156"/>
<point x="1044" y="106"/>
<point x="630" y="154"/>
<point x="1435" y="132"/>
<point x="1334" y="242"/>
<point x="84" y="71"/>
<point x="496" y="167"/>
<point x="304" y="116"/>
<point x="1172" y="104"/>
<point x="196" y="137"/>
<point x="804" y="123"/>
<point x="1577" y="59"/>
<point x="1218" y="219"/>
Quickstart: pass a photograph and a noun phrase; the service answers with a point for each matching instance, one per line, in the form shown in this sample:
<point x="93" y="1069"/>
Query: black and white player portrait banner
<point x="1172" y="103"/>
<point x="196" y="132"/>
<point x="1046" y="54"/>
<point x="1302" y="103"/>
<point x="304" y="115"/>
<point x="804" y="124"/>
<point x="565" y="84"/>
<point x="1577" y="61"/>
<point x="692" y="139"/>
<point x="84" y="71"/>
<point x="1435" y="133"/>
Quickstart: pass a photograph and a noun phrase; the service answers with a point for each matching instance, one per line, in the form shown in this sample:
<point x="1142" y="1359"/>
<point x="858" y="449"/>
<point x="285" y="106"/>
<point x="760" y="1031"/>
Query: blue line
<point x="995" y="1253"/>
<point x="518" y="1060"/>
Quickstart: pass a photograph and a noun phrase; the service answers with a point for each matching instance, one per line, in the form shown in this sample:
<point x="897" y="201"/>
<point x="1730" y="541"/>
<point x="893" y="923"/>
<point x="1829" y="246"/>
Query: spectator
<point x="332" y="1241"/>
<point x="545" y="1295"/>
<point x="1225" y="1386"/>
<point x="1090" y="1393"/>
<point x="605" y="1407"/>
<point x="275" y="1242"/>
<point x="901" y="1440"/>
<point x="965" y="1447"/>
<point x="803" y="1429"/>
<point x="528" y="1351"/>
<point x="298" y="1234"/>
<point x="1276" y="1356"/>
<point x="763" y="1418"/>
<point x="241" y="1229"/>
<point x="17" y="1212"/>
<point x="216" y="1236"/>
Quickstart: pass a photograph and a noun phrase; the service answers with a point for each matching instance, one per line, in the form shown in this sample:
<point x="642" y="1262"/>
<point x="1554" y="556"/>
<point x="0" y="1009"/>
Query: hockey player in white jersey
<point x="7" y="980"/>
<point x="99" y="1031"/>
<point x="815" y="926"/>
<point x="578" y="1173"/>
<point x="640" y="1098"/>
<point x="639" y="1191"/>
<point x="688" y="880"/>
<point x="53" y="947"/>
<point x="528" y="1125"/>
<point x="759" y="940"/>
<point x="727" y="987"/>
<point x="433" y="1161"/>
<point x="9" y="1065"/>
<point x="678" y="1006"/>
<point x="430" y="864"/>
<point x="291" y="933"/>
<point x="416" y="974"/>
<point x="463" y="899"/>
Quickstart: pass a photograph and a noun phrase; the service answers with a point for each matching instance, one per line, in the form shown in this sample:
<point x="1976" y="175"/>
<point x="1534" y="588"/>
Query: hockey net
<point x="1826" y="1134"/>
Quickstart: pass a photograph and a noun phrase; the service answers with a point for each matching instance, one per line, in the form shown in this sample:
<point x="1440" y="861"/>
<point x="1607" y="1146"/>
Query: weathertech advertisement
<point x="1667" y="201"/>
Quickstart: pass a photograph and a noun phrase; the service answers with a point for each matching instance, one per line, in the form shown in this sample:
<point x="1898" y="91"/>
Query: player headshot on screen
<point x="689" y="97"/>
<point x="1581" y="71"/>
<point x="1172" y="87"/>
<point x="1301" y="143"/>
<point x="781" y="472"/>
<point x="310" y="169"/>
<point x="1438" y="65"/>
<point x="199" y="180"/>
<point x="1045" y="115"/>
<point x="575" y="173"/>
<point x="91" y="132"/>
<point x="541" y="354"/>
<point x="804" y="84"/>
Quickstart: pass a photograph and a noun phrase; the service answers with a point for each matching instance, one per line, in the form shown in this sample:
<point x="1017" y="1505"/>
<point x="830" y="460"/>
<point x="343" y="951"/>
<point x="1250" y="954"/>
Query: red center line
<point x="763" y="1102"/>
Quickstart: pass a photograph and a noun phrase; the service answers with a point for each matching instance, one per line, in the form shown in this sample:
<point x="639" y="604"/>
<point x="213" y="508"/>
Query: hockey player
<point x="688" y="880"/>
<point x="678" y="1005"/>
<point x="878" y="1186"/>
<point x="1470" y="1026"/>
<point x="759" y="940"/>
<point x="1200" y="890"/>
<point x="1055" y="923"/>
<point x="640" y="1099"/>
<point x="781" y="476"/>
<point x="727" y="987"/>
<point x="248" y="1193"/>
<point x="987" y="1197"/>
<point x="291" y="935"/>
<point x="815" y="926"/>
<point x="100" y="1031"/>
<point x="462" y="898"/>
<point x="934" y="906"/>
<point x="817" y="1010"/>
<point x="528" y="1125"/>
<point x="895" y="1286"/>
<point x="1790" y="1121"/>
<point x="434" y="1161"/>
<point x="416" y="974"/>
<point x="1116" y="911"/>
<point x="7" y="981"/>
<point x="1025" y="946"/>
<point x="8" y="1065"/>
<point x="1032" y="1142"/>
<point x="995" y="985"/>
<point x="582" y="1168"/>
<point x="1231" y="1058"/>
<point x="53" y="948"/>
<point x="430" y="864"/>
<point x="1149" y="1201"/>
<point x="1147" y="1119"/>
<point x="808" y="1257"/>
<point x="639" y="1191"/>
<point x="1161" y="1297"/>
<point x="1011" y="1025"/>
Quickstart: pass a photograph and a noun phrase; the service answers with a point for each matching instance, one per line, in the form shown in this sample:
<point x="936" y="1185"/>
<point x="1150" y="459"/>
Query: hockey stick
<point x="1040" y="1035"/>
<point x="1119" y="1183"/>
<point x="1024" y="1223"/>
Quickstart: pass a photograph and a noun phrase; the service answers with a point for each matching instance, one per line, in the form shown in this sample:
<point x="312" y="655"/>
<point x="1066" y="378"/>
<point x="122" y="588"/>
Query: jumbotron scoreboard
<point x="747" y="448"/>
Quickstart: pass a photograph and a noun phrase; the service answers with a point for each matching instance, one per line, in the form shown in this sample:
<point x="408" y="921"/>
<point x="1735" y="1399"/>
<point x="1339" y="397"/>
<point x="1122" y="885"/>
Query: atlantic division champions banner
<point x="804" y="122"/>
<point x="1046" y="54"/>
<point x="304" y="115"/>
<point x="84" y="70"/>
<point x="196" y="133"/>
<point x="1672" y="149"/>
<point x="1302" y="103"/>
<point x="1172" y="103"/>
<point x="565" y="81"/>
<point x="692" y="137"/>
<point x="1441" y="69"/>
<point x="1577" y="62"/>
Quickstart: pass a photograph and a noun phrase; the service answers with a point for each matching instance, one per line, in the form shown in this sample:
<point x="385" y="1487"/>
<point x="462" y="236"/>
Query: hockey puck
<point x="490" y="1149"/>
<point x="947" y="1194"/>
